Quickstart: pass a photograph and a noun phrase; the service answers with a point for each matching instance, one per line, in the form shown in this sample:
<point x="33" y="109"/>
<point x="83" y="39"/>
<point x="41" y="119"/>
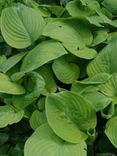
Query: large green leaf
<point x="9" y="87"/>
<point x="41" y="54"/>
<point x="65" y="72"/>
<point x="70" y="31"/>
<point x="74" y="35"/>
<point x="44" y="142"/>
<point x="111" y="130"/>
<point x="8" y="116"/>
<point x="106" y="61"/>
<point x="21" y="25"/>
<point x="70" y="110"/>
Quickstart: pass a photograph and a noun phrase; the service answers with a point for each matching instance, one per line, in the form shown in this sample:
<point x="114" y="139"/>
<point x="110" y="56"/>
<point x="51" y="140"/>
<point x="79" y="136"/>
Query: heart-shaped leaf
<point x="21" y="25"/>
<point x="70" y="110"/>
<point x="44" y="142"/>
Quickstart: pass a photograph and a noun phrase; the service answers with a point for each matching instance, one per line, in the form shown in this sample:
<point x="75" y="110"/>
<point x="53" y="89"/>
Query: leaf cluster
<point x="58" y="78"/>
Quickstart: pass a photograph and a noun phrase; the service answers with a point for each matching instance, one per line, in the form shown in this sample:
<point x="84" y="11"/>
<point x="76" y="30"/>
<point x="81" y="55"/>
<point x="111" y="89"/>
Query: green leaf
<point x="70" y="31"/>
<point x="21" y="25"/>
<point x="54" y="9"/>
<point x="95" y="20"/>
<point x="70" y="110"/>
<point x="105" y="61"/>
<point x="106" y="19"/>
<point x="9" y="87"/>
<point x="86" y="53"/>
<point x="96" y="79"/>
<point x="111" y="130"/>
<point x="97" y="99"/>
<point x="65" y="72"/>
<point x="112" y="36"/>
<point x="8" y="116"/>
<point x="100" y="36"/>
<point x="37" y="119"/>
<point x="35" y="85"/>
<point x="44" y="142"/>
<point x="79" y="87"/>
<point x="111" y="5"/>
<point x="75" y="8"/>
<point x="74" y="35"/>
<point x="41" y="104"/>
<point x="108" y="111"/>
<point x="50" y="84"/>
<point x="42" y="54"/>
<point x="85" y="2"/>
<point x="11" y="61"/>
<point x="110" y="87"/>
<point x="41" y="10"/>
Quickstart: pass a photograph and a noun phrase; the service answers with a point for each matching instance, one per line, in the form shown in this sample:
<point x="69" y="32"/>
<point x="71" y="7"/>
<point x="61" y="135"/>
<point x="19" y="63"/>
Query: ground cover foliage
<point x="58" y="78"/>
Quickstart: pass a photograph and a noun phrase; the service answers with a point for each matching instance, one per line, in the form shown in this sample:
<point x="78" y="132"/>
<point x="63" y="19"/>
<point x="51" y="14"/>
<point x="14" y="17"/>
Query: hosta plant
<point x="58" y="78"/>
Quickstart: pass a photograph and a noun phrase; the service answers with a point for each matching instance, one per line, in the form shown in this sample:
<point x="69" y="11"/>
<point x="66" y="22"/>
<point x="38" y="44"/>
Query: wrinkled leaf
<point x="105" y="61"/>
<point x="44" y="142"/>
<point x="18" y="27"/>
<point x="64" y="110"/>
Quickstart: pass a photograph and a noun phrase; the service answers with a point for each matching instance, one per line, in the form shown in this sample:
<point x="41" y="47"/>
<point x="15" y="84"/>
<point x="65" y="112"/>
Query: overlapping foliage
<point x="58" y="78"/>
